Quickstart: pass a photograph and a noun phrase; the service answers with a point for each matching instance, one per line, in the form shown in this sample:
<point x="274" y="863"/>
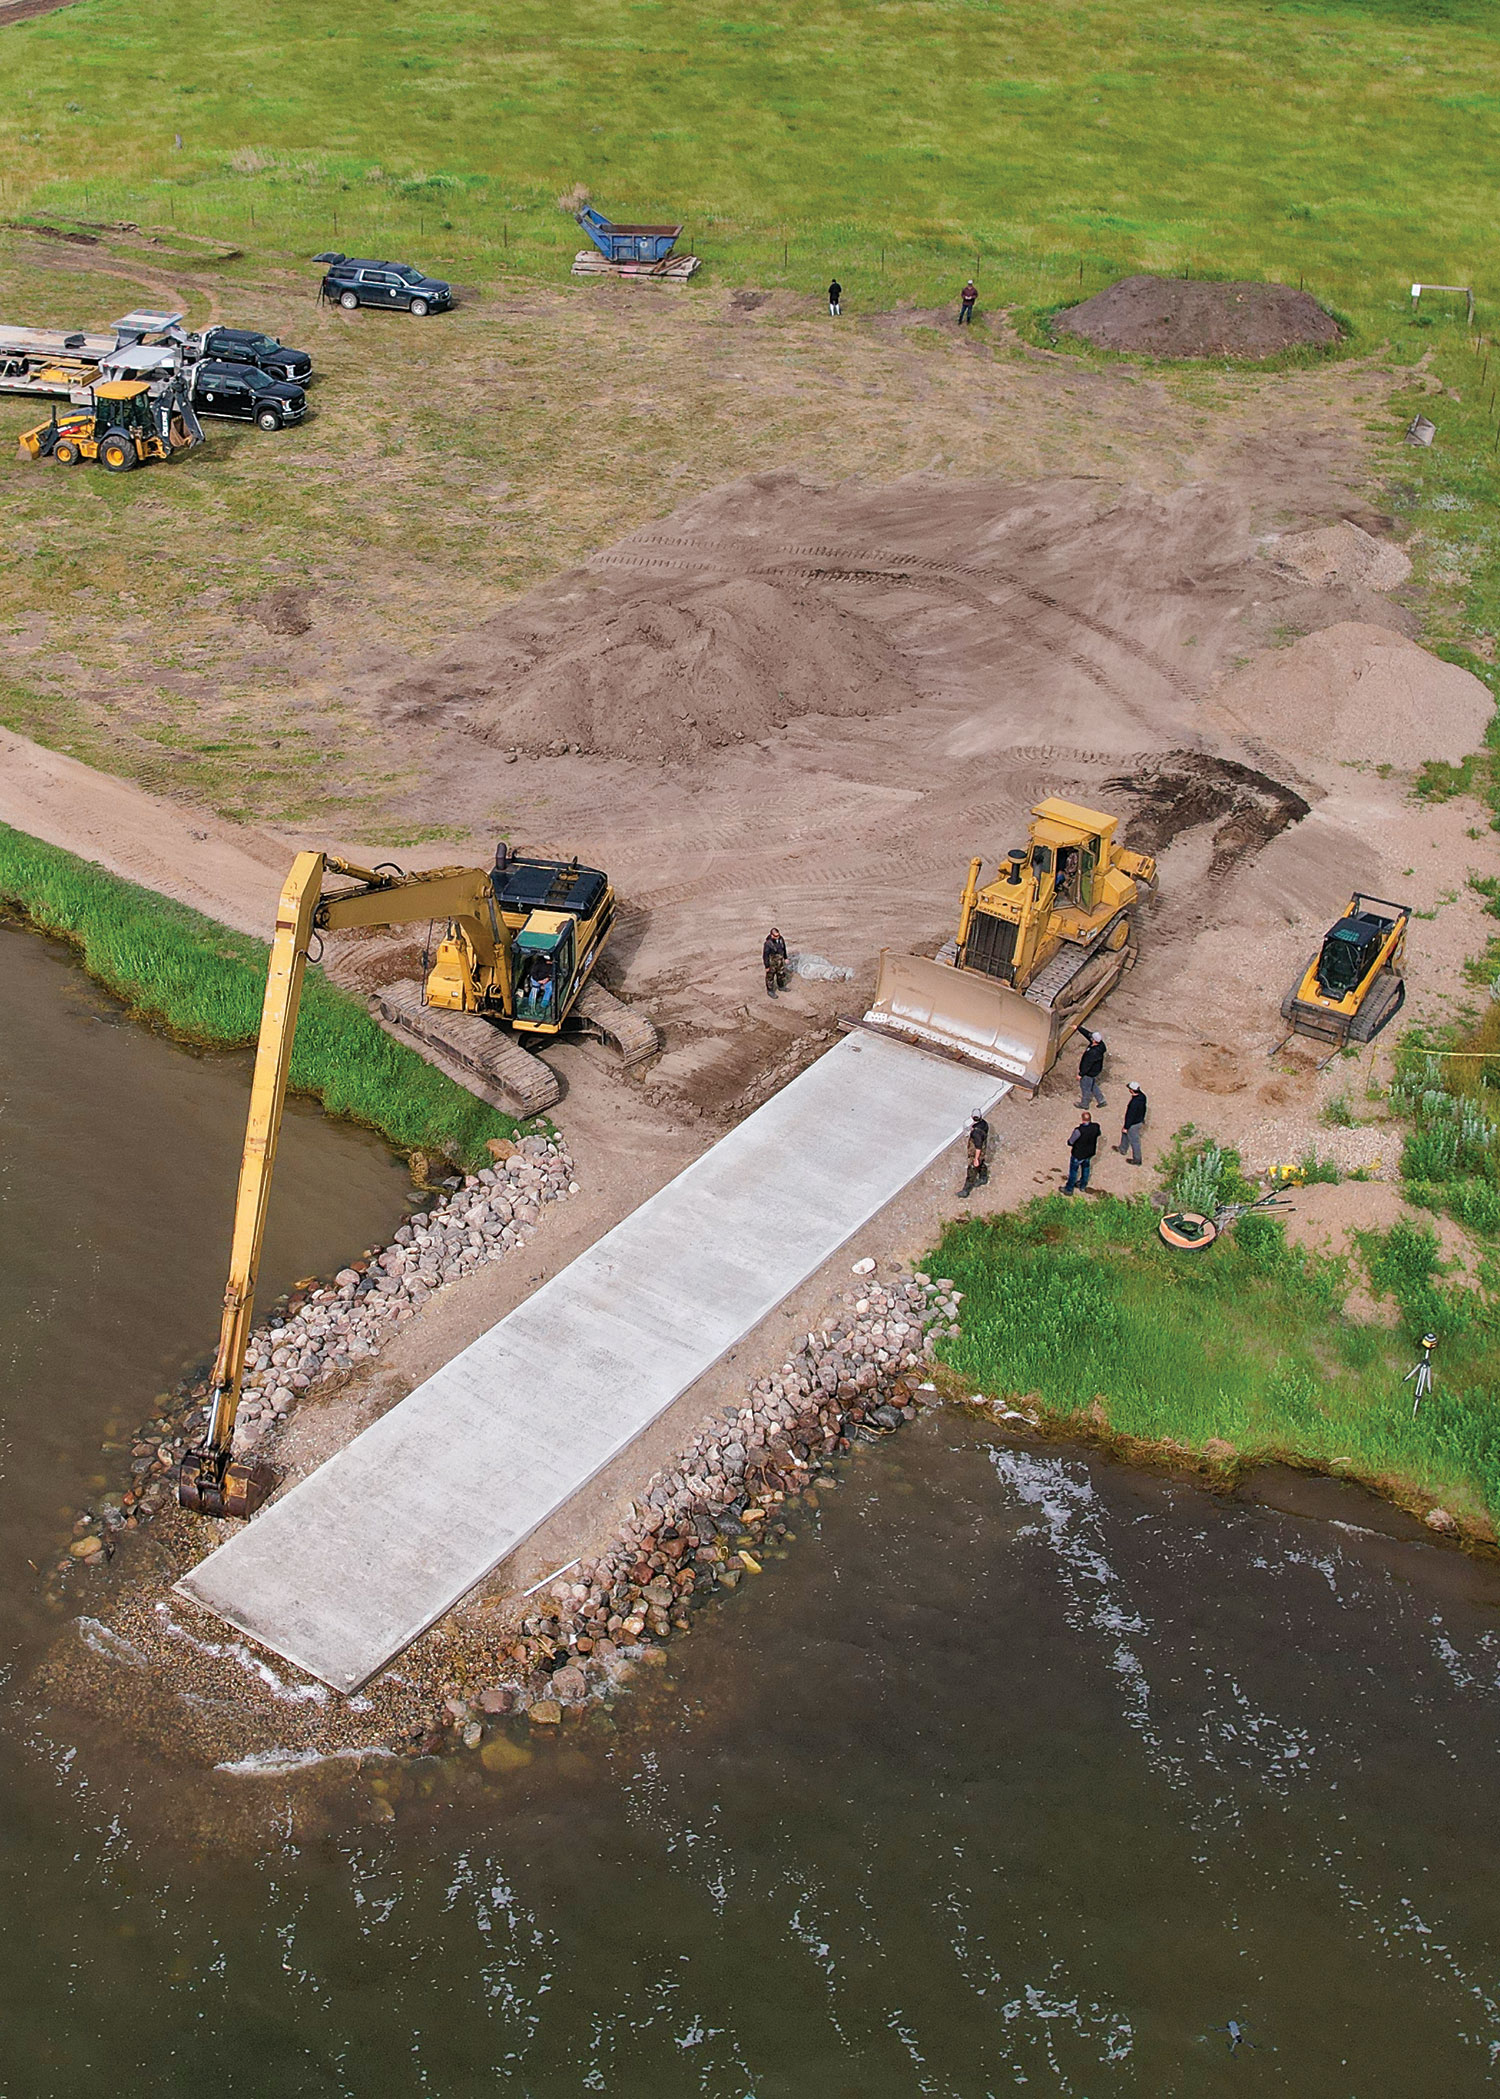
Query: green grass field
<point x="1351" y="143"/>
<point x="205" y="983"/>
<point x="1079" y="1302"/>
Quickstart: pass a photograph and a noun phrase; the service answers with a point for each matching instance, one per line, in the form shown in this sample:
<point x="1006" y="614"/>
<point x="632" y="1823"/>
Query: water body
<point x="1015" y="1771"/>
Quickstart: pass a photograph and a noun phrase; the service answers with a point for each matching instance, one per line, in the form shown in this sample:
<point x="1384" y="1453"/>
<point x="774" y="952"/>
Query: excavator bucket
<point x="959" y="1014"/>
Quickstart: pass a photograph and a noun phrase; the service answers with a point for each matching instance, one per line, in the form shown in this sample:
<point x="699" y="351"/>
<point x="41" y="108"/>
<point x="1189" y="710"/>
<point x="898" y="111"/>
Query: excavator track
<point x="474" y="1052"/>
<point x="630" y="1034"/>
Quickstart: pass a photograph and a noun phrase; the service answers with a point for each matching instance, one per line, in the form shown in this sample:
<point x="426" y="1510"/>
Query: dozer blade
<point x="959" y="1014"/>
<point x="629" y="1034"/>
<point x="474" y="1052"/>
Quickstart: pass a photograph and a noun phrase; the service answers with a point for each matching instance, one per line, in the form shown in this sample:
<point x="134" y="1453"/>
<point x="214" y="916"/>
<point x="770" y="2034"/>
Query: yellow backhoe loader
<point x="516" y="964"/>
<point x="126" y="423"/>
<point x="1353" y="985"/>
<point x="1036" y="949"/>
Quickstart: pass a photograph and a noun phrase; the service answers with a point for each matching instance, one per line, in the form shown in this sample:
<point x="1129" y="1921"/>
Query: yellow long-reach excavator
<point x="1036" y="949"/>
<point x="515" y="965"/>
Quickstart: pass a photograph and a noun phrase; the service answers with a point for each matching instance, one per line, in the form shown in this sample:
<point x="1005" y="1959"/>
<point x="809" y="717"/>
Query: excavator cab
<point x="542" y="958"/>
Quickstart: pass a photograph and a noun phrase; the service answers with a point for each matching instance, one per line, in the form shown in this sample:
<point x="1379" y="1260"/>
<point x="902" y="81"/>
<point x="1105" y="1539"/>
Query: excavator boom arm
<point x="462" y="894"/>
<point x="205" y="1485"/>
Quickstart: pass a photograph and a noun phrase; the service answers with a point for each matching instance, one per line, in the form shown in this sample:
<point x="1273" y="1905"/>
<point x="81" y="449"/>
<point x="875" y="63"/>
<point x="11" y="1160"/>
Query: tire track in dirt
<point x="875" y="565"/>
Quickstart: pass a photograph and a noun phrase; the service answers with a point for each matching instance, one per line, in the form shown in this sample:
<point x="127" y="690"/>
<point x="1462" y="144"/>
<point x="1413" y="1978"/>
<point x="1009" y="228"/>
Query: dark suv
<point x="249" y="346"/>
<point x="391" y="284"/>
<point x="246" y="395"/>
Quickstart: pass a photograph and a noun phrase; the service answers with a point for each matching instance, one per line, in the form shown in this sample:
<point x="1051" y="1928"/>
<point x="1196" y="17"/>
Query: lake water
<point x="1016" y="1771"/>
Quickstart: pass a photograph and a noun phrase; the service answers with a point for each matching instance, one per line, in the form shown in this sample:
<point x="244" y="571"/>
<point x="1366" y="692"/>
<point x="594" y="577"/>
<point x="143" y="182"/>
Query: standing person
<point x="1130" y="1135"/>
<point x="773" y="959"/>
<point x="835" y="295"/>
<point x="1090" y="1065"/>
<point x="968" y="299"/>
<point x="1082" y="1146"/>
<point x="979" y="1144"/>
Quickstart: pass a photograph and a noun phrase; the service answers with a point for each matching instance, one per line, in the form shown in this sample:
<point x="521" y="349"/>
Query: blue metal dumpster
<point x="628" y="243"/>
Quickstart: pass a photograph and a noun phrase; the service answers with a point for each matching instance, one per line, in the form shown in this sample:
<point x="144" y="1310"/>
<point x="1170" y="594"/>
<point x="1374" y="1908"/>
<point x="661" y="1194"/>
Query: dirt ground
<point x="806" y="699"/>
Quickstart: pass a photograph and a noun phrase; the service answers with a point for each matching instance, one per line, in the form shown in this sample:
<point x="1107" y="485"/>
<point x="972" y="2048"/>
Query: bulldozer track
<point x="880" y="565"/>
<point x="474" y="1052"/>
<point x="627" y="1032"/>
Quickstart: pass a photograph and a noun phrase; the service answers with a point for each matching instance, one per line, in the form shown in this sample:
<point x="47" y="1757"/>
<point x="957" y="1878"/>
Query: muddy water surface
<point x="1015" y="1771"/>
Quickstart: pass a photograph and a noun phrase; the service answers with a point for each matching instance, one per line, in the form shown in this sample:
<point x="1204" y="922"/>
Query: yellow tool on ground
<point x="1036" y="950"/>
<point x="517" y="963"/>
<point x="1353" y="985"/>
<point x="125" y="423"/>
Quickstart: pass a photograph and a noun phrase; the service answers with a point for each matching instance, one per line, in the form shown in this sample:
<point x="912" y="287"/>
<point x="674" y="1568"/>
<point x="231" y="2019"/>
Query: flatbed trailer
<point x="62" y="362"/>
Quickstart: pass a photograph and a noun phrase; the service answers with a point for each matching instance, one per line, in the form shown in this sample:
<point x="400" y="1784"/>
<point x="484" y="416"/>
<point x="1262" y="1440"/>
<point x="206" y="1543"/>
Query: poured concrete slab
<point x="350" y="1566"/>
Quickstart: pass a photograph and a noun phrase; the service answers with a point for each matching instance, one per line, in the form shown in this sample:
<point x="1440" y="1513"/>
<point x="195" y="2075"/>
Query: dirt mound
<point x="682" y="668"/>
<point x="1341" y="554"/>
<point x="1358" y="693"/>
<point x="1183" y="317"/>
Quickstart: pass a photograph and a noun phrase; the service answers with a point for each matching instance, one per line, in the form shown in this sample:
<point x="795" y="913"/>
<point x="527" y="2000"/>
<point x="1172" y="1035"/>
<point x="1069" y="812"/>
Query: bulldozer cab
<point x="543" y="960"/>
<point x="1073" y="845"/>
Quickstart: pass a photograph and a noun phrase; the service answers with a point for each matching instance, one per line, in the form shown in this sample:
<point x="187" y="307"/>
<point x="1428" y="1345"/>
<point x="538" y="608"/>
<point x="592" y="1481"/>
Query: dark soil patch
<point x="285" y="611"/>
<point x="1183" y="317"/>
<point x="1184" y="789"/>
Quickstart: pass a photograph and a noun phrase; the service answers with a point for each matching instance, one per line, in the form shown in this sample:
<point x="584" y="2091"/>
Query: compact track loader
<point x="1353" y="985"/>
<point x="126" y="423"/>
<point x="515" y="965"/>
<point x="1036" y="949"/>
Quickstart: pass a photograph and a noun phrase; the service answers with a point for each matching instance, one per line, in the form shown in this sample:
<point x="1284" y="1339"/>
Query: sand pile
<point x="680" y="668"/>
<point x="1356" y="692"/>
<point x="1341" y="554"/>
<point x="1182" y="317"/>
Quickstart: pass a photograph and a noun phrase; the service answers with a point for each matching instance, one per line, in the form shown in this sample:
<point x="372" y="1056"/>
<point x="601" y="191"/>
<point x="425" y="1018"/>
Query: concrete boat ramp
<point x="352" y="1564"/>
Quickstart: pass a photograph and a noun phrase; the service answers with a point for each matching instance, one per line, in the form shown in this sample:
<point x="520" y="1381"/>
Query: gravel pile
<point x="705" y="1519"/>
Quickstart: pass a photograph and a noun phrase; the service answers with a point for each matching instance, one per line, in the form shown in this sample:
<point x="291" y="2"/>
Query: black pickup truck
<point x="249" y="346"/>
<point x="245" y="395"/>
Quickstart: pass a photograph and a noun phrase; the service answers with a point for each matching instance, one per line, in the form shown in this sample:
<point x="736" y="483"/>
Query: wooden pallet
<point x="677" y="269"/>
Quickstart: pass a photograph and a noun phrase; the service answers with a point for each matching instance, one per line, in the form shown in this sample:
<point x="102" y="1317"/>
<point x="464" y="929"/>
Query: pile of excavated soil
<point x="1182" y="317"/>
<point x="1358" y="693"/>
<point x="1341" y="554"/>
<point x="690" y="664"/>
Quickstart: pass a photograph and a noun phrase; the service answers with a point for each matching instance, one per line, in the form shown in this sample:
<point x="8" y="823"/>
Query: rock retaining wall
<point x="702" y="1518"/>
<point x="328" y="1329"/>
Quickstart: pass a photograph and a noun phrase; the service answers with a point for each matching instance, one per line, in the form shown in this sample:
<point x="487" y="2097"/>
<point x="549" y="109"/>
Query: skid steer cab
<point x="124" y="423"/>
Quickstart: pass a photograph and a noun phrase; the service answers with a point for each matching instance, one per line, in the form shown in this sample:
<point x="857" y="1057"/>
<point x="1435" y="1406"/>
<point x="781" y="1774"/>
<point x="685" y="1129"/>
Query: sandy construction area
<point x="809" y="705"/>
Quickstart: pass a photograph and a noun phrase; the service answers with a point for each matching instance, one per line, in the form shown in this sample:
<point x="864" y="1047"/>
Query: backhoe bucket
<point x="960" y="1014"/>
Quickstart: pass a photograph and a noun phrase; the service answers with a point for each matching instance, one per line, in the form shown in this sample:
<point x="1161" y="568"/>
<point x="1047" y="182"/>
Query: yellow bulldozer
<point x="1036" y="949"/>
<point x="125" y="423"/>
<point x="516" y="965"/>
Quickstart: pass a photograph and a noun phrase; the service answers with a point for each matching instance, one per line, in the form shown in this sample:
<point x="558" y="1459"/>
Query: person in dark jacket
<point x="1090" y="1065"/>
<point x="968" y="299"/>
<point x="1082" y="1146"/>
<point x="1135" y="1115"/>
<point x="979" y="1144"/>
<point x="835" y="297"/>
<point x="773" y="959"/>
